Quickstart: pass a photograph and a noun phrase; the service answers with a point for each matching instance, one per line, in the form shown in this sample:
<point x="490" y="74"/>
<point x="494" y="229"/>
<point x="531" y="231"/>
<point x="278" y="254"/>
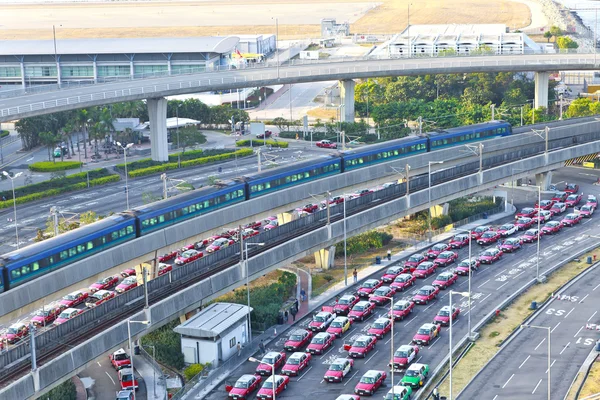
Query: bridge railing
<point x="70" y="84"/>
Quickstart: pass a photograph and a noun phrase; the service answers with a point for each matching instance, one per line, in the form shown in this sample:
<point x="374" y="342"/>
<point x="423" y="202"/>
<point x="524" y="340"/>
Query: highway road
<point x="103" y="380"/>
<point x="520" y="370"/>
<point x="490" y="285"/>
<point x="105" y="199"/>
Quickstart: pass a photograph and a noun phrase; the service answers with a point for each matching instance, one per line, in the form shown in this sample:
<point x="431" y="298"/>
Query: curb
<point x="510" y="299"/>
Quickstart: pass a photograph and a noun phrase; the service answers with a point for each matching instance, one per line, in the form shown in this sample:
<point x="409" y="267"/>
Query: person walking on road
<point x="286" y="314"/>
<point x="302" y="295"/>
<point x="239" y="349"/>
<point x="389" y="255"/>
<point x="355" y="274"/>
<point x="293" y="311"/>
<point x="261" y="346"/>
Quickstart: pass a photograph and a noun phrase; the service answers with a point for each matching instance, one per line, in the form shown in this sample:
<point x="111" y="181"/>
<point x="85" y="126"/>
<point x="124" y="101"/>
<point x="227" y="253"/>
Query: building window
<point x="10" y="72"/>
<point x="187" y="68"/>
<point x="36" y="72"/>
<point x="232" y="343"/>
<point x="149" y="69"/>
<point x="114" y="70"/>
<point x="77" y="71"/>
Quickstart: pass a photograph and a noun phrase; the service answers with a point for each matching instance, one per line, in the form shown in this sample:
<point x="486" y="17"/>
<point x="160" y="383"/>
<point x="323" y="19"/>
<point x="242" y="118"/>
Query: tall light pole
<point x="177" y="123"/>
<point x="549" y="364"/>
<point x="246" y="244"/>
<point x="537" y="267"/>
<point x="450" y="293"/>
<point x="55" y="57"/>
<point x="125" y="148"/>
<point x="129" y="322"/>
<point x="468" y="232"/>
<point x="391" y="300"/>
<point x="12" y="183"/>
<point x="345" y="251"/>
<point x="254" y="360"/>
<point x="277" y="42"/>
<point x="429" y="194"/>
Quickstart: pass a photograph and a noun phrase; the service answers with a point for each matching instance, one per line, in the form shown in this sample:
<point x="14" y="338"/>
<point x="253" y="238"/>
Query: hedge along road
<point x="105" y="199"/>
<point x="490" y="286"/>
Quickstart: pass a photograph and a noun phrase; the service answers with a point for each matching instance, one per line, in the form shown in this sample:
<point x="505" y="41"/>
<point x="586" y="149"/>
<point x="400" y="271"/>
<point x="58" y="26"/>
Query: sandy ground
<point x="297" y="19"/>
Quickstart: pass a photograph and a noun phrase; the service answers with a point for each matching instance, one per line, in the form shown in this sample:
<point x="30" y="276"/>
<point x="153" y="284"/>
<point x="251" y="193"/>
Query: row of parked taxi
<point x="333" y="321"/>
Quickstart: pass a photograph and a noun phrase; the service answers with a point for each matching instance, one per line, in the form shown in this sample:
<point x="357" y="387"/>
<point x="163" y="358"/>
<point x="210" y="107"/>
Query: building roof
<point x="216" y="44"/>
<point x="454" y="29"/>
<point x="213" y="320"/>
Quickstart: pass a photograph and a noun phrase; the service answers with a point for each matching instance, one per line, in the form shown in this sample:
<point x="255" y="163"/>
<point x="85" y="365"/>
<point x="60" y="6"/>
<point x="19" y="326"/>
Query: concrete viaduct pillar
<point x="541" y="89"/>
<point x="347" y="100"/>
<point x="157" y="113"/>
<point x="544" y="180"/>
<point x="324" y="257"/>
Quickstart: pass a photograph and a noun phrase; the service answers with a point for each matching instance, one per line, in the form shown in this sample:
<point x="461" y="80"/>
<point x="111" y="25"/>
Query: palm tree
<point x="80" y="122"/>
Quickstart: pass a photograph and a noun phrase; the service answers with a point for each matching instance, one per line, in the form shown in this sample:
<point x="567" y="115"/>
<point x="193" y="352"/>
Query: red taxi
<point x="426" y="294"/>
<point x="298" y="339"/>
<point x="361" y="346"/>
<point x="445" y="279"/>
<point x="368" y="287"/>
<point x="401" y="309"/>
<point x="443" y="316"/>
<point x="243" y="387"/>
<point x="321" y="342"/>
<point x="104" y="283"/>
<point x="296" y="363"/>
<point x="403" y="281"/>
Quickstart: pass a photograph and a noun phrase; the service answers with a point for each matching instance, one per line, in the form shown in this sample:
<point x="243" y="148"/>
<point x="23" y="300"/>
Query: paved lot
<point x="490" y="285"/>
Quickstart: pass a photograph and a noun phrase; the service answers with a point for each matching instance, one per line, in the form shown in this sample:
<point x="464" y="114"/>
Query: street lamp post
<point x="125" y="148"/>
<point x="254" y="360"/>
<point x="468" y="232"/>
<point x="277" y="42"/>
<point x="345" y="252"/>
<point x="177" y="123"/>
<point x="537" y="267"/>
<point x="429" y="194"/>
<point x="450" y="293"/>
<point x="246" y="244"/>
<point x="129" y="322"/>
<point x="12" y="183"/>
<point x="549" y="364"/>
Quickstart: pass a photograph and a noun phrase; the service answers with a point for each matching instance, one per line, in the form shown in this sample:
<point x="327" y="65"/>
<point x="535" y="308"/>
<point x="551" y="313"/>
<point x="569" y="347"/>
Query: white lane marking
<point x="110" y="377"/>
<point x="432" y="344"/>
<point x="304" y="374"/>
<point x="536" y="386"/>
<point x="566" y="346"/>
<point x="597" y="286"/>
<point x="538" y="346"/>
<point x="417" y="360"/>
<point x="569" y="312"/>
<point x="428" y="307"/>
<point x="330" y="348"/>
<point x="590" y="318"/>
<point x="495" y="397"/>
<point x="98" y="362"/>
<point x="508" y="381"/>
<point x="370" y="358"/>
<point x="516" y="276"/>
<point x="551" y="365"/>
<point x="584" y="297"/>
<point x="352" y="377"/>
<point x="482" y="300"/>
<point x="524" y="361"/>
<point x="577" y="333"/>
<point x="555" y="327"/>
<point x="501" y="286"/>
<point x="410" y="321"/>
<point x="483" y="283"/>
<point x="472" y="308"/>
<point x="501" y="272"/>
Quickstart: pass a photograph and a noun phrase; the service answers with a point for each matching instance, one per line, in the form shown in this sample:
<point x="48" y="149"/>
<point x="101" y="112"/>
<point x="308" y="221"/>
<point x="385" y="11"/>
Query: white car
<point x="544" y="214"/>
<point x="507" y="230"/>
<point x="388" y="184"/>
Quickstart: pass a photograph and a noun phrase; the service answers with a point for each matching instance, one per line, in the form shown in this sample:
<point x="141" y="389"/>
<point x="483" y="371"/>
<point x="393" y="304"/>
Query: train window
<point x="72" y="251"/>
<point x="206" y="204"/>
<point x="25" y="269"/>
<point x="185" y="210"/>
<point x="80" y="248"/>
<point x="35" y="266"/>
<point x="64" y="255"/>
<point x="90" y="245"/>
<point x="15" y="273"/>
<point x="114" y="235"/>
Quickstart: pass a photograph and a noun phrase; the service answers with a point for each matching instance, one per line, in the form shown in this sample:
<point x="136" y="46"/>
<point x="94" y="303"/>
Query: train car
<point x="3" y="276"/>
<point x="35" y="260"/>
<point x="266" y="182"/>
<point x="164" y="213"/>
<point x="387" y="151"/>
<point x="467" y="134"/>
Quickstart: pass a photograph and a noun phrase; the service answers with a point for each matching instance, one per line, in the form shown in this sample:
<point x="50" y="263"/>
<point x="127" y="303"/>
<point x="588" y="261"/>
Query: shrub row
<point x="363" y="242"/>
<point x="50" y="166"/>
<point x="258" y="142"/>
<point x="173" y="158"/>
<point x="189" y="163"/>
<point x="53" y="183"/>
<point x="4" y="133"/>
<point x="63" y="189"/>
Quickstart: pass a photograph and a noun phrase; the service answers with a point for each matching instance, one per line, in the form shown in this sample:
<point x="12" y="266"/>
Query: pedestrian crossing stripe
<point x="581" y="160"/>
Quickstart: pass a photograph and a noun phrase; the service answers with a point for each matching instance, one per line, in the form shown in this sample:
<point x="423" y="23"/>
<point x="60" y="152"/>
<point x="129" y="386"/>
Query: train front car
<point x="382" y="152"/>
<point x="31" y="262"/>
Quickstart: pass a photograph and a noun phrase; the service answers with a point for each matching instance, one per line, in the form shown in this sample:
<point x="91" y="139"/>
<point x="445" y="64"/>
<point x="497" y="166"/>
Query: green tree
<point x="565" y="42"/>
<point x="579" y="108"/>
<point x="280" y="122"/>
<point x="49" y="140"/>
<point x="88" y="217"/>
<point x="548" y="35"/>
<point x="555" y="31"/>
<point x="189" y="136"/>
<point x="64" y="391"/>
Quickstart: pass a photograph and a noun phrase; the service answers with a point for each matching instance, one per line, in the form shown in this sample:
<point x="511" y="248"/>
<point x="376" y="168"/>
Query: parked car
<point x="551" y="227"/>
<point x="188" y="256"/>
<point x="445" y="258"/>
<point x="571" y="188"/>
<point x="511" y="245"/>
<point x="480" y="230"/>
<point x="273" y="387"/>
<point x="558" y="208"/>
<point x="46" y="315"/>
<point x="218" y="245"/>
<point x="435" y="251"/>
<point x="326" y="144"/>
<point x="74" y="299"/>
<point x="573" y="200"/>
<point x="463" y="267"/>
<point x="361" y="346"/>
<point x="403" y="281"/>
<point x="382" y="295"/>
<point x="404" y="356"/>
<point x="426" y="333"/>
<point x="380" y="327"/>
<point x="571" y="219"/>
<point x="586" y="211"/>
<point x="527" y="212"/>
<point x="401" y="309"/>
<point x="490" y="256"/>
<point x="445" y="280"/>
<point x="524" y="223"/>
<point x="391" y="273"/>
<point x="339" y="326"/>
<point x="368" y="287"/>
<point x="370" y="382"/>
<point x="66" y="315"/>
<point x="559" y="197"/>
<point x="545" y="204"/>
<point x="426" y="294"/>
<point x="99" y="297"/>
<point x="296" y="363"/>
<point x="320" y="342"/>
<point x="243" y="387"/>
<point x="398" y="392"/>
<point x="415" y="375"/>
<point x="507" y="230"/>
<point x="338" y="370"/>
<point x="298" y="339"/>
<point x="15" y="332"/>
<point x="488" y="238"/>
<point x="459" y="241"/>
<point x="277" y="359"/>
<point x="361" y="310"/>
<point x="345" y="303"/>
<point x="443" y="316"/>
<point x="126" y="284"/>
<point x="424" y="269"/>
<point x="543" y="216"/>
<point x="321" y="321"/>
<point x="531" y="235"/>
<point x="104" y="283"/>
<point x="413" y="262"/>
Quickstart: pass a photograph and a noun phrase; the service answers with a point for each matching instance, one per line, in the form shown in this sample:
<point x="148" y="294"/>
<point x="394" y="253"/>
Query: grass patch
<point x="324" y="114"/>
<point x="592" y="383"/>
<point x="576" y="384"/>
<point x="492" y="334"/>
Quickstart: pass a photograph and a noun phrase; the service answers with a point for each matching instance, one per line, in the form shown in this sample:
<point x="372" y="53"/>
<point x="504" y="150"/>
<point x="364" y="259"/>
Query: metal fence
<point x="160" y="286"/>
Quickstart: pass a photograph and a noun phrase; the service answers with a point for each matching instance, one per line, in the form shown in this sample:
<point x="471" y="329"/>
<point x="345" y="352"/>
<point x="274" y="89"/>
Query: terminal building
<point x="34" y="62"/>
<point x="433" y="40"/>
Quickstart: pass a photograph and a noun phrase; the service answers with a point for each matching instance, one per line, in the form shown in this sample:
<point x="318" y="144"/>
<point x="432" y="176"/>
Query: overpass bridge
<point x="38" y="101"/>
<point x="33" y="295"/>
<point x="65" y="350"/>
